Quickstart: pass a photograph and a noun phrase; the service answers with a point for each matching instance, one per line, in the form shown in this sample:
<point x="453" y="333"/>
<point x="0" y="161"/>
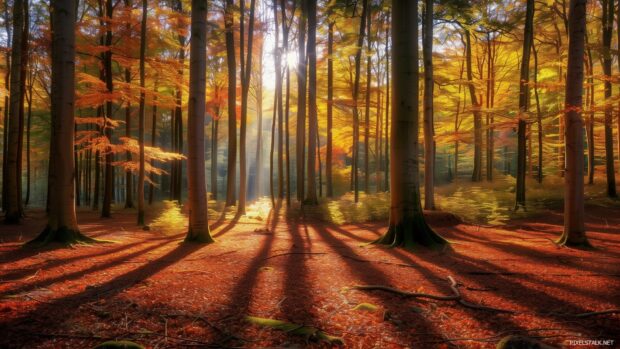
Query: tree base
<point x="63" y="236"/>
<point x="202" y="238"/>
<point x="412" y="233"/>
<point x="582" y="244"/>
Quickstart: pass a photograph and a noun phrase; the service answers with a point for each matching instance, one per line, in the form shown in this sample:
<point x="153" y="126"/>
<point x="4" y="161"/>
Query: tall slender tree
<point x="300" y="140"/>
<point x="311" y="198"/>
<point x="232" y="103"/>
<point x="608" y="26"/>
<point x="407" y="227"/>
<point x="330" y="102"/>
<point x="246" y="73"/>
<point x="574" y="228"/>
<point x="198" y="229"/>
<point x="142" y="112"/>
<point x="13" y="201"/>
<point x="524" y="96"/>
<point x="108" y="183"/>
<point x="62" y="221"/>
<point x="356" y="89"/>
<point x="429" y="126"/>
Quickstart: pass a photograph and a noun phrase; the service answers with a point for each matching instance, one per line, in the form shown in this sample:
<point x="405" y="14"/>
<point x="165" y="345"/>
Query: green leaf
<point x="308" y="332"/>
<point x="366" y="307"/>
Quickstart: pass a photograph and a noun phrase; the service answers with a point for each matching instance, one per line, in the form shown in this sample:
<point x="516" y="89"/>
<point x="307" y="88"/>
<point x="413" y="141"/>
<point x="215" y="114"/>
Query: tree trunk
<point x="524" y="93"/>
<point x="330" y="102"/>
<point x="259" y="128"/>
<point x="388" y="101"/>
<point x="279" y="106"/>
<point x="300" y="140"/>
<point x="429" y="128"/>
<point x="232" y="98"/>
<point x="128" y="174"/>
<point x="311" y="198"/>
<point x="245" y="88"/>
<point x="407" y="227"/>
<point x="539" y="175"/>
<point x="142" y="116"/>
<point x="574" y="228"/>
<point x="285" y="29"/>
<point x="31" y="80"/>
<point x="590" y="106"/>
<point x="356" y="88"/>
<point x="367" y="107"/>
<point x="108" y="185"/>
<point x="608" y="25"/>
<point x="13" y="202"/>
<point x="477" y="172"/>
<point x="153" y="142"/>
<point x="198" y="229"/>
<point x="62" y="221"/>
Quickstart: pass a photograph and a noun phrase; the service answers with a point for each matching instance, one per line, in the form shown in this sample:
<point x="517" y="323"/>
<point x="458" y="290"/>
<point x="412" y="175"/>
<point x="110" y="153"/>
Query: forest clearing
<point x="310" y="173"/>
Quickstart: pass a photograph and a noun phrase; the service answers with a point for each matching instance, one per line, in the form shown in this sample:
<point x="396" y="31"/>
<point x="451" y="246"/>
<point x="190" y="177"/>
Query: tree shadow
<point x="53" y="314"/>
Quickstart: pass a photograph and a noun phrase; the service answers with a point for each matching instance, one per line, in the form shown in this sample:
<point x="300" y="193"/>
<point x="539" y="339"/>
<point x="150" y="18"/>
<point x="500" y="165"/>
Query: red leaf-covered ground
<point x="157" y="291"/>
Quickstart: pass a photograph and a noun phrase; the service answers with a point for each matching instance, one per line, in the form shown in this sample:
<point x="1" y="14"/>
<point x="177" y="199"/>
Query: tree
<point x="524" y="96"/>
<point x="311" y="198"/>
<point x="330" y="102"/>
<point x="246" y="70"/>
<point x="574" y="228"/>
<point x="608" y="26"/>
<point x="300" y="140"/>
<point x="62" y="221"/>
<point x="407" y="226"/>
<point x="142" y="116"/>
<point x="13" y="202"/>
<point x="108" y="184"/>
<point x="429" y="131"/>
<point x="198" y="229"/>
<point x="232" y="103"/>
<point x="356" y="88"/>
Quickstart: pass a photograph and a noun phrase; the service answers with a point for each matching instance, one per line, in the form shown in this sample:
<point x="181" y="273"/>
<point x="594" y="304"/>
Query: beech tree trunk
<point x="285" y="29"/>
<point x="574" y="228"/>
<point x="367" y="107"/>
<point x="356" y="88"/>
<point x="524" y="93"/>
<point x="232" y="98"/>
<point x="539" y="175"/>
<point x="108" y="184"/>
<point x="62" y="221"/>
<point x="608" y="26"/>
<point x="153" y="141"/>
<point x="330" y="107"/>
<point x="197" y="191"/>
<point x="300" y="140"/>
<point x="311" y="198"/>
<point x="407" y="227"/>
<point x="128" y="174"/>
<point x="13" y="202"/>
<point x="142" y="116"/>
<point x="477" y="172"/>
<point x="429" y="127"/>
<point x="246" y="70"/>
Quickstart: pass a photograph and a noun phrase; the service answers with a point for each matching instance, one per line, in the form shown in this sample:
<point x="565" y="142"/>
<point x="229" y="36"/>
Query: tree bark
<point x="356" y="88"/>
<point x="524" y="93"/>
<point x="128" y="174"/>
<point x="330" y="102"/>
<point x="245" y="88"/>
<point x="198" y="229"/>
<point x="407" y="227"/>
<point x="62" y="221"/>
<point x="300" y="140"/>
<point x="13" y="202"/>
<point x="574" y="228"/>
<point x="367" y="106"/>
<point x="142" y="116"/>
<point x="153" y="141"/>
<point x="429" y="128"/>
<point x="311" y="198"/>
<point x="608" y="25"/>
<point x="477" y="172"/>
<point x="108" y="185"/>
<point x="232" y="98"/>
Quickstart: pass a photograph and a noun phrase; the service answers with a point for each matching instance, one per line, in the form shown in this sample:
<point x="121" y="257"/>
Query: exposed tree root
<point x="63" y="235"/>
<point x="456" y="295"/>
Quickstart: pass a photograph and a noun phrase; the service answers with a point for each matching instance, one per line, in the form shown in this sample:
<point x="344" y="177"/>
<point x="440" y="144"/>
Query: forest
<point x="310" y="173"/>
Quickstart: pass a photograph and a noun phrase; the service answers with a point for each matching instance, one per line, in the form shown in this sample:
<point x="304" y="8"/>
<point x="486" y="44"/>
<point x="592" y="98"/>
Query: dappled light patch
<point x="171" y="220"/>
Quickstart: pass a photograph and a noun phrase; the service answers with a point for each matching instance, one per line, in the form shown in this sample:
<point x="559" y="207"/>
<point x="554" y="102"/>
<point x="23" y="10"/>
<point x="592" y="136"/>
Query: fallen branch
<point x="602" y="312"/>
<point x="456" y="295"/>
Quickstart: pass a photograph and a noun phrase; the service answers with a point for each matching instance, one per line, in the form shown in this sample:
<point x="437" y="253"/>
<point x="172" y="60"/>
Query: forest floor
<point x="151" y="288"/>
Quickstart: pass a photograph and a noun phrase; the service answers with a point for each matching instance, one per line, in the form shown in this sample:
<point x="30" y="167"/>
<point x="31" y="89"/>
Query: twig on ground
<point x="456" y="295"/>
